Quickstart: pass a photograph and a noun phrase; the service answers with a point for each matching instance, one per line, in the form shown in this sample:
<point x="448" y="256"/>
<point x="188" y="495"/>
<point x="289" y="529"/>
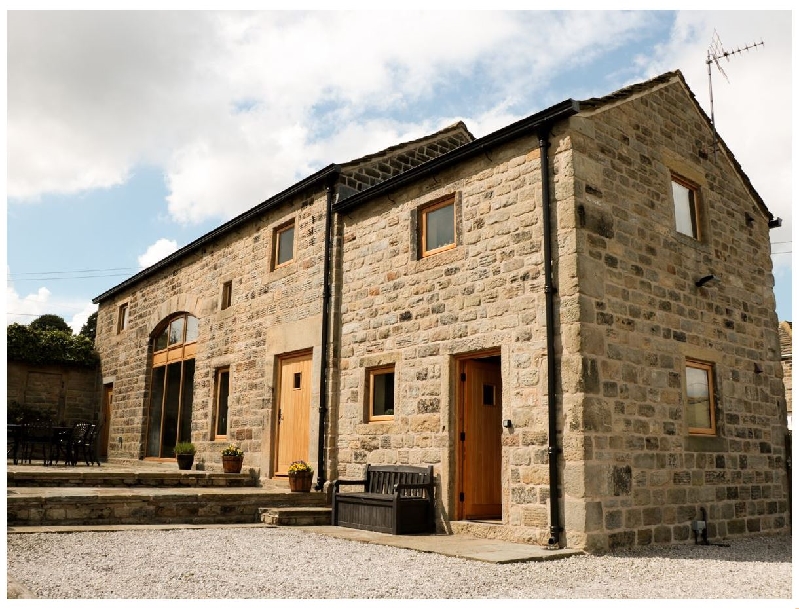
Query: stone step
<point x="78" y="506"/>
<point x="493" y="529"/>
<point x="296" y="516"/>
<point x="133" y="479"/>
<point x="106" y="477"/>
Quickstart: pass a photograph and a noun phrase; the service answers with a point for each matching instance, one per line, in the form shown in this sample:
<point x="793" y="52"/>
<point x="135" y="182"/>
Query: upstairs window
<point x="700" y="401"/>
<point x="227" y="294"/>
<point x="284" y="244"/>
<point x="437" y="224"/>
<point x="381" y="393"/>
<point x="686" y="207"/>
<point x="122" y="318"/>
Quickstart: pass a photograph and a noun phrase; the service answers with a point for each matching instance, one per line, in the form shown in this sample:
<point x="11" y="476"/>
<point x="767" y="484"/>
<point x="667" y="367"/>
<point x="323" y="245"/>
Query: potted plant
<point x="184" y="453"/>
<point x="300" y="477"/>
<point x="232" y="458"/>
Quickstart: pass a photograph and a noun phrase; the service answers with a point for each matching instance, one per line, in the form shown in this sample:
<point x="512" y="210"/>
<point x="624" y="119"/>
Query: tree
<point x="89" y="329"/>
<point x="26" y="344"/>
<point x="50" y="322"/>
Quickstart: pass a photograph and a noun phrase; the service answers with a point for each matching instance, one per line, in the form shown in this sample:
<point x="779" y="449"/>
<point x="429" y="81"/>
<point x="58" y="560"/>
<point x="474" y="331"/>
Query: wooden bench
<point x="396" y="499"/>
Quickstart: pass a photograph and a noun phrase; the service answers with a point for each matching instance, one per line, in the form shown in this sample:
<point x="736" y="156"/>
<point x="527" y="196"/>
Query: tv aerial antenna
<point x="715" y="52"/>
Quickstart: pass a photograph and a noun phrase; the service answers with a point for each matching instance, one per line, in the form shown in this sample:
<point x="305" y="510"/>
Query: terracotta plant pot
<point x="185" y="461"/>
<point x="232" y="465"/>
<point x="300" y="482"/>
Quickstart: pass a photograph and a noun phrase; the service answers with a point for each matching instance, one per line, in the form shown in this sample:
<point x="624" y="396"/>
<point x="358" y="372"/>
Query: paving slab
<point x="459" y="546"/>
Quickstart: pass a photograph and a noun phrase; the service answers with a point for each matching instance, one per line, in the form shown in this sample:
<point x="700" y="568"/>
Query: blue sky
<point x="131" y="134"/>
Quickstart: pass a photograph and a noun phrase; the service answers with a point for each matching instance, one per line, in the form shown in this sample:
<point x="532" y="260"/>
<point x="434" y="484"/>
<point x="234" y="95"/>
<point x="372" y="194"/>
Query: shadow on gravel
<point x="776" y="549"/>
<point x="17" y="590"/>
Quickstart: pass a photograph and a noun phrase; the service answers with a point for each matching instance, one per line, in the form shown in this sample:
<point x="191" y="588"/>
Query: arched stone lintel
<point x="187" y="302"/>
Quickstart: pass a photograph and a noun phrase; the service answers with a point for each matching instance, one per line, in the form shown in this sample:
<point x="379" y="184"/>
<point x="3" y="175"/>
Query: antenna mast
<point x="715" y="52"/>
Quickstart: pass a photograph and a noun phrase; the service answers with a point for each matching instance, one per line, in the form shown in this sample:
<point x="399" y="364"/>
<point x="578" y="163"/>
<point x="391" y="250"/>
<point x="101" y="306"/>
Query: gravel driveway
<point x="290" y="563"/>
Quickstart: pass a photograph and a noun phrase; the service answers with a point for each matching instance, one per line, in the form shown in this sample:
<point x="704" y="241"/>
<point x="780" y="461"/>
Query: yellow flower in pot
<point x="300" y="477"/>
<point x="232" y="459"/>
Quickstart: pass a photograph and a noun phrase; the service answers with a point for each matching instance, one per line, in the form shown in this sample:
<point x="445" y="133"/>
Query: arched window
<point x="172" y="386"/>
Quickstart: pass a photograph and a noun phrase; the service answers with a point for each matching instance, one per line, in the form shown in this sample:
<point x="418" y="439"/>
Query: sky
<point x="130" y="134"/>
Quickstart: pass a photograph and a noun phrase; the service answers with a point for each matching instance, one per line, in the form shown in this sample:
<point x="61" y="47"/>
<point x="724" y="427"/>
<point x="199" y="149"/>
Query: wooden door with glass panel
<point x="293" y="414"/>
<point x="480" y="437"/>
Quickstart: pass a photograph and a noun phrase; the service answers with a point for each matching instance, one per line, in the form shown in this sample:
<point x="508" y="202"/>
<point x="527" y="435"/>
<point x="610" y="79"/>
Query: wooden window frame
<point x="122" y="317"/>
<point x="227" y="295"/>
<point x="371" y="373"/>
<point x="707" y="367"/>
<point x="695" y="205"/>
<point x="276" y="244"/>
<point x="423" y="212"/>
<point x="177" y="351"/>
<point x="217" y="390"/>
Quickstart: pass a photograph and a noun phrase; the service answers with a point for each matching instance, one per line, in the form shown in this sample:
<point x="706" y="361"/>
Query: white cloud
<point x="237" y="106"/>
<point x="78" y="319"/>
<point x="157" y="251"/>
<point x="24" y="309"/>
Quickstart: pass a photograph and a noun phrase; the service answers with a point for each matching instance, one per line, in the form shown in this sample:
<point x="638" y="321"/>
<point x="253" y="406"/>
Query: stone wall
<point x="786" y="348"/>
<point x="420" y="313"/>
<point x="70" y="393"/>
<point x="273" y="311"/>
<point x="629" y="314"/>
<point x="641" y="316"/>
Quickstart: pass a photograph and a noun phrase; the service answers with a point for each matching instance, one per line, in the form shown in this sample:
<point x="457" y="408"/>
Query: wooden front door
<point x="294" y="412"/>
<point x="480" y="436"/>
<point x="108" y="398"/>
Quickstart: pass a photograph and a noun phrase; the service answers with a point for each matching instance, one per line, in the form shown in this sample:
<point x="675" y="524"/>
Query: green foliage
<point x="50" y="322"/>
<point x="89" y="329"/>
<point x="27" y="344"/>
<point x="185" y="448"/>
<point x="20" y="413"/>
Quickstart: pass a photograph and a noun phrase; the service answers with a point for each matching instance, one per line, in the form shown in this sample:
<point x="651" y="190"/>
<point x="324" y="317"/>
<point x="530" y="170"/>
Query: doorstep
<point x="459" y="546"/>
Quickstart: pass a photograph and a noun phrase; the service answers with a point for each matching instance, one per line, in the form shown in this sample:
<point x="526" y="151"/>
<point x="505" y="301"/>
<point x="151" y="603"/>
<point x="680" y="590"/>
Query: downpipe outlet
<point x="699" y="527"/>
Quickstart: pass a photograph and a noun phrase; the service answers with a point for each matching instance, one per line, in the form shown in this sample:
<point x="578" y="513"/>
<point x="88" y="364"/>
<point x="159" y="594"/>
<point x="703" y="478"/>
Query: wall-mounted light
<point x="775" y="223"/>
<point x="706" y="279"/>
<point x="507" y="424"/>
<point x="758" y="369"/>
<point x="750" y="219"/>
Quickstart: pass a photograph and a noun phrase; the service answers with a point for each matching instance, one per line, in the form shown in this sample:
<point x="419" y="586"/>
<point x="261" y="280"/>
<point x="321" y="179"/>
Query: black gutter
<point x="555" y="529"/>
<point x="559" y="111"/>
<point x="326" y="296"/>
<point x="323" y="175"/>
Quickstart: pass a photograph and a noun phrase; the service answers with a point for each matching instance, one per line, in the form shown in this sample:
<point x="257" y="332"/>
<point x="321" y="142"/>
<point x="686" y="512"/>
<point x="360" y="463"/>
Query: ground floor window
<point x="220" y="402"/>
<point x="381" y="393"/>
<point x="171" y="386"/>
<point x="700" y="409"/>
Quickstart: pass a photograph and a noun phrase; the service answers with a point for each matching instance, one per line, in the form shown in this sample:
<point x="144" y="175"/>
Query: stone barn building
<point x="578" y="306"/>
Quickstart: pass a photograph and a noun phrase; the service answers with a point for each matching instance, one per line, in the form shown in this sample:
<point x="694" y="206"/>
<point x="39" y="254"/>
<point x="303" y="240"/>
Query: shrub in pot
<point x="184" y="453"/>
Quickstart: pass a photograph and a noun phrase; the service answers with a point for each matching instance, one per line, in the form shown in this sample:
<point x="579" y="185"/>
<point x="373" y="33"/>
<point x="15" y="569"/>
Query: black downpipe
<point x="323" y="376"/>
<point x="555" y="529"/>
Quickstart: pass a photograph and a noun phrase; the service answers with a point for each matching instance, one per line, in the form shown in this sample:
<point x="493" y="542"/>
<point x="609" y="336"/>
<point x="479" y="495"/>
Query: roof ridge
<point x="456" y="126"/>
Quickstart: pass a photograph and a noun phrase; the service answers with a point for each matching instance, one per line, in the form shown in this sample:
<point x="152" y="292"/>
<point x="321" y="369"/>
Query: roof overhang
<point x="323" y="177"/>
<point x="533" y="123"/>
